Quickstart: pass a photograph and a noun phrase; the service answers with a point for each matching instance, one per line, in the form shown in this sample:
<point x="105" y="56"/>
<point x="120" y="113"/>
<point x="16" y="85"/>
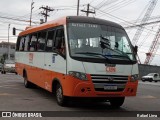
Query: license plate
<point x="110" y="87"/>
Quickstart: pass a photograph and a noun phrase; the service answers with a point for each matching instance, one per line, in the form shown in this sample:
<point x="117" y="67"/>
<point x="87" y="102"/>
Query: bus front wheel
<point x="117" y="101"/>
<point x="61" y="99"/>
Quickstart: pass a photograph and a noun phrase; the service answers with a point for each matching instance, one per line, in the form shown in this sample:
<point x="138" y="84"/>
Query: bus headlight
<point x="134" y="77"/>
<point x="79" y="75"/>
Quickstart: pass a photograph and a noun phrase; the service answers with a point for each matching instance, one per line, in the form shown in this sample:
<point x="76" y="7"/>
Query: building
<point x="4" y="49"/>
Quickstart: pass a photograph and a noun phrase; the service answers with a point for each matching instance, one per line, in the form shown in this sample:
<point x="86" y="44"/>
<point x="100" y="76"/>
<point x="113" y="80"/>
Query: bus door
<point x="55" y="61"/>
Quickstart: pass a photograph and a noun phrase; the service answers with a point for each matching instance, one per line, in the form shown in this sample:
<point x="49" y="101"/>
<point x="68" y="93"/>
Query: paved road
<point x="14" y="97"/>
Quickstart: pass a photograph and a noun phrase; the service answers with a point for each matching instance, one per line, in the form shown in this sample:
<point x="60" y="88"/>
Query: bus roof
<point x="69" y="19"/>
<point x="47" y="25"/>
<point x="92" y="20"/>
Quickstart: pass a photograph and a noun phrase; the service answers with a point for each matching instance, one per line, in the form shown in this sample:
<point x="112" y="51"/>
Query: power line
<point x="121" y="6"/>
<point x="118" y="18"/>
<point x="113" y="6"/>
<point x="92" y="1"/>
<point x="13" y="23"/>
<point x="16" y="17"/>
<point x="21" y="20"/>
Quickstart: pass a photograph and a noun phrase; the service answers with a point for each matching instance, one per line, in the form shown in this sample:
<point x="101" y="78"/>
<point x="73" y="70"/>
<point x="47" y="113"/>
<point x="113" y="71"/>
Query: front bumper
<point x="79" y="88"/>
<point x="10" y="70"/>
<point x="88" y="90"/>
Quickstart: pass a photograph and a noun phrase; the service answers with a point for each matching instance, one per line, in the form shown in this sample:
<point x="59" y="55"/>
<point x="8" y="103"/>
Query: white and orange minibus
<point x="80" y="57"/>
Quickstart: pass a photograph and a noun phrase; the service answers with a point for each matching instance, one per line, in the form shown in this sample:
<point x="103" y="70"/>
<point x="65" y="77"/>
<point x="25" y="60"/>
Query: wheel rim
<point x="59" y="94"/>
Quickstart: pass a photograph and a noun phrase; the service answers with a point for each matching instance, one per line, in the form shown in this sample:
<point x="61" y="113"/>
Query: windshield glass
<point x="151" y="74"/>
<point x="99" y="42"/>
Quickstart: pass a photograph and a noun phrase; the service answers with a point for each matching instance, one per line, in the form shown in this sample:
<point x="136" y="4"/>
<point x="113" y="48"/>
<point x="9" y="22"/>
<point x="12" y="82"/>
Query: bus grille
<point x="107" y="83"/>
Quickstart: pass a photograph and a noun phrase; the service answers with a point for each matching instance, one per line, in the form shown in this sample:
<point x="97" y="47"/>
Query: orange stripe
<point x="51" y="24"/>
<point x="71" y="86"/>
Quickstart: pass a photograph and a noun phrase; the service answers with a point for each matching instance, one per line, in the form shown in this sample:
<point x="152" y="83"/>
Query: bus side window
<point x="22" y="44"/>
<point x="18" y="43"/>
<point x="33" y="43"/>
<point x="27" y="43"/>
<point x="41" y="41"/>
<point x="50" y="39"/>
<point x="59" y="41"/>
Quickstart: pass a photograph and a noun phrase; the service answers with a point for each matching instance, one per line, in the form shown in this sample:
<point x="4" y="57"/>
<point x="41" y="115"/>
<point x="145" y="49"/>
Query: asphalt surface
<point x="15" y="97"/>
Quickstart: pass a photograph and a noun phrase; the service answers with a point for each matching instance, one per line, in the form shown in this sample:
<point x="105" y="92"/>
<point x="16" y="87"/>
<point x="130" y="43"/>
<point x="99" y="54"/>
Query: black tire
<point x="143" y="80"/>
<point x="4" y="72"/>
<point x="61" y="99"/>
<point x="151" y="80"/>
<point x="117" y="101"/>
<point x="1" y="72"/>
<point x="16" y="73"/>
<point x="27" y="84"/>
<point x="155" y="81"/>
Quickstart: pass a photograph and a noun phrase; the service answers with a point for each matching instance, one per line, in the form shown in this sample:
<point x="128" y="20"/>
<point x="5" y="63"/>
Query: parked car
<point x="8" y="67"/>
<point x="151" y="77"/>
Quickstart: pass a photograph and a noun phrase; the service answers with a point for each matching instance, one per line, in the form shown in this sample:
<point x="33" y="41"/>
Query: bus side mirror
<point x="136" y="49"/>
<point x="14" y="31"/>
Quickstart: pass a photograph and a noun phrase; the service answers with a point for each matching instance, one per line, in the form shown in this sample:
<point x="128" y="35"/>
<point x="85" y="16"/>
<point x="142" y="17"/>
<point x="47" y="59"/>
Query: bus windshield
<point x="94" y="41"/>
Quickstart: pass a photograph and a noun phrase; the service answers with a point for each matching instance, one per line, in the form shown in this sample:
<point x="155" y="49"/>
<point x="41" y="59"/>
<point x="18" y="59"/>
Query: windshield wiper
<point x="94" y="54"/>
<point x="121" y="56"/>
<point x="124" y="55"/>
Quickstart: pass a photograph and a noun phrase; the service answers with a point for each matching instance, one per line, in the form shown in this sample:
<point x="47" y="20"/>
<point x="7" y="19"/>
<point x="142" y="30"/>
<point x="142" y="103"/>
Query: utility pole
<point x="45" y="12"/>
<point x="88" y="10"/>
<point x="8" y="43"/>
<point x="78" y="8"/>
<point x="31" y="12"/>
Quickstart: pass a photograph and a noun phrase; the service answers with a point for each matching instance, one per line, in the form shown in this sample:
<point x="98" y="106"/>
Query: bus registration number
<point x="110" y="87"/>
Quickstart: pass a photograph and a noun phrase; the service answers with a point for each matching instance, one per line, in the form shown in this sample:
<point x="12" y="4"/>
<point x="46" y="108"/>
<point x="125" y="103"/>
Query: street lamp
<point x="8" y="43"/>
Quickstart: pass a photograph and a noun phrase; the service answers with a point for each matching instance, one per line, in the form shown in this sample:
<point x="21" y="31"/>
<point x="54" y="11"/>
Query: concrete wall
<point x="145" y="69"/>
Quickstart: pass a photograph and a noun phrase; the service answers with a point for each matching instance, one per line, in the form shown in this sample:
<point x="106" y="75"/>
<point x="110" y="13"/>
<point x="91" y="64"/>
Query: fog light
<point x="82" y="90"/>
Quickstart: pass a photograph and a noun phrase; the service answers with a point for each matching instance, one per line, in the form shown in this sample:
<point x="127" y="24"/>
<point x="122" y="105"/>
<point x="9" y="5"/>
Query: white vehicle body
<point x="151" y="77"/>
<point x="99" y="60"/>
<point x="8" y="66"/>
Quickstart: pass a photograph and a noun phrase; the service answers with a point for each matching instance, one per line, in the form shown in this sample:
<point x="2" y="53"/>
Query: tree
<point x="3" y="58"/>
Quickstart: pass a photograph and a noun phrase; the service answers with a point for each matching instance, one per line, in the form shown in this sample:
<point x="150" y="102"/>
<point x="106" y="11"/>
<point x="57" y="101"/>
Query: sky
<point x="124" y="12"/>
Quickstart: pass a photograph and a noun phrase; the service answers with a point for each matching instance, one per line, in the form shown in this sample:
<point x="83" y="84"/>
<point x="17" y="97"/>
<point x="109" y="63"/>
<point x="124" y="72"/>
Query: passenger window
<point x="50" y="39"/>
<point x="27" y="41"/>
<point x="33" y="43"/>
<point x="41" y="41"/>
<point x="22" y="44"/>
<point x="155" y="75"/>
<point x="18" y="43"/>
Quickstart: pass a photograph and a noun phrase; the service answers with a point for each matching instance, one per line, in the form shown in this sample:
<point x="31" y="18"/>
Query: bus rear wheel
<point x="61" y="99"/>
<point x="27" y="84"/>
<point x="117" y="101"/>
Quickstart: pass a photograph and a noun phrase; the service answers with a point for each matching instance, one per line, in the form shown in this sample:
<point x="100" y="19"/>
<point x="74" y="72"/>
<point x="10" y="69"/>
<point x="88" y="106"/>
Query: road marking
<point x="5" y="94"/>
<point x="7" y="85"/>
<point x="148" y="96"/>
<point x="149" y="83"/>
